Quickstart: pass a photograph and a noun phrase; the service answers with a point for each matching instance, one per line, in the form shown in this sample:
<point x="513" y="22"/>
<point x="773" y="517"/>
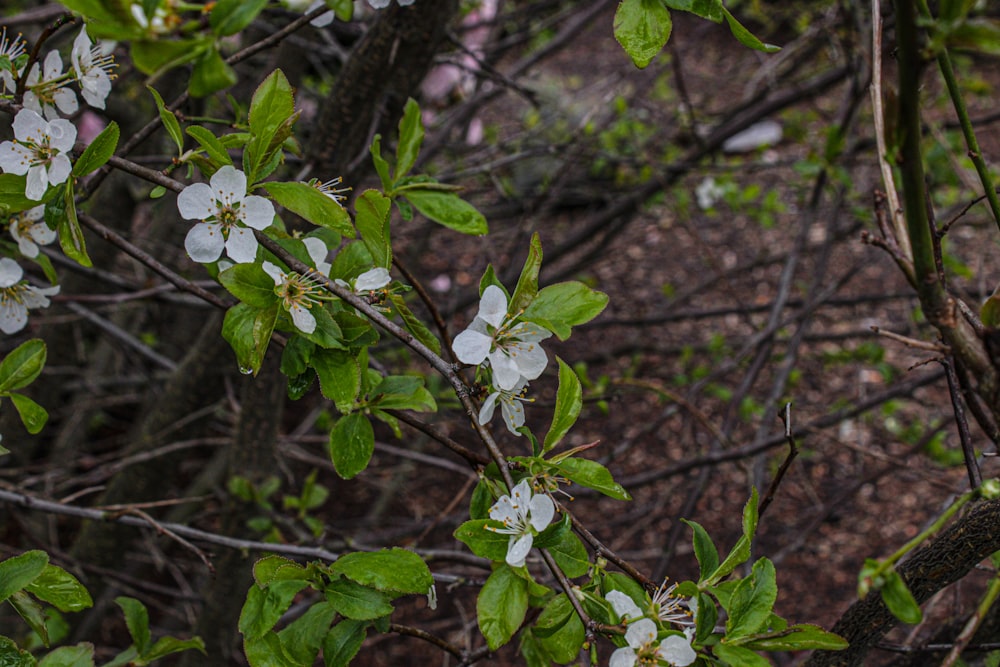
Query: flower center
<point x="12" y="293"/>
<point x="298" y="290"/>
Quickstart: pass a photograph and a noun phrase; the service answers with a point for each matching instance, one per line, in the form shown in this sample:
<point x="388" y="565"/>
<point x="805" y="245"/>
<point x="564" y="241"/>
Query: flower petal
<point x="489" y="405"/>
<point x="204" y="243"/>
<point x="493" y="306"/>
<point x="513" y="414"/>
<point x="241" y="246"/>
<point x="37" y="183"/>
<point x="471" y="347"/>
<point x="66" y="101"/>
<point x="641" y="633"/>
<point x="195" y="202"/>
<point x="506" y="373"/>
<point x="677" y="650"/>
<point x="229" y="184"/>
<point x="502" y="510"/>
<point x="624" y="606"/>
<point x="623" y="657"/>
<point x="59" y="169"/>
<point x="63" y="135"/>
<point x="10" y="272"/>
<point x="29" y="126"/>
<point x="318" y="252"/>
<point x="372" y="279"/>
<point x="256" y="212"/>
<point x="542" y="510"/>
<point x="13" y="316"/>
<point x="276" y="274"/>
<point x="529" y="359"/>
<point x="518" y="548"/>
<point x="302" y="318"/>
<point x="14" y="158"/>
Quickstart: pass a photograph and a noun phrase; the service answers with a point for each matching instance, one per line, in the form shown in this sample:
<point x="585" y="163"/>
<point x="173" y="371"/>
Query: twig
<point x="911" y="342"/>
<point x="163" y="530"/>
<point x="900" y="235"/>
<point x="793" y="451"/>
<point x="439" y="322"/>
<point x="968" y="452"/>
<point x="123" y="336"/>
<point x="427" y="637"/>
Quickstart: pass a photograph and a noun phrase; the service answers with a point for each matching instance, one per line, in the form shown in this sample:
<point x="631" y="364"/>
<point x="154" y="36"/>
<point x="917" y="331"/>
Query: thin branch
<point x="793" y="451"/>
<point x="957" y="406"/>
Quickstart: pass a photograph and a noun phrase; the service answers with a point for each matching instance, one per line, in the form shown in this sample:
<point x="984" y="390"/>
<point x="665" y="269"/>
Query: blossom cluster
<point x="41" y="148"/>
<point x="642" y="647"/>
<point x="510" y="348"/>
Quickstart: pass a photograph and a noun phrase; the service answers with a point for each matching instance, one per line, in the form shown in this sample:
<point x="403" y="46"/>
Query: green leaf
<point x="592" y="475"/>
<point x="560" y="630"/>
<point x="414" y="325"/>
<point x="373" y="224"/>
<point x="165" y="646"/>
<point x="228" y="17"/>
<point x="737" y="655"/>
<point x="642" y="27"/>
<point x="60" y="589"/>
<point x="745" y="37"/>
<point x="527" y="282"/>
<point x="12" y="199"/>
<point x="250" y="284"/>
<point x="159" y="55"/>
<point x="22" y="365"/>
<point x="741" y="550"/>
<point x="570" y="554"/>
<point x="137" y="621"/>
<point x="248" y="331"/>
<point x="708" y="615"/>
<point x="265" y="606"/>
<point x="272" y="115"/>
<point x="210" y="144"/>
<point x="308" y="202"/>
<point x="343" y="642"/>
<point x="562" y="306"/>
<point x="900" y="601"/>
<point x="19" y="571"/>
<point x="569" y="402"/>
<point x="31" y="611"/>
<point x="482" y="541"/>
<point x="98" y="152"/>
<point x="501" y="606"/>
<point x="304" y="636"/>
<point x="169" y="120"/>
<point x="448" y="209"/>
<point x="393" y="570"/>
<point x="799" y="638"/>
<point x="358" y="602"/>
<point x="339" y="376"/>
<point x="411" y="136"/>
<point x="704" y="550"/>
<point x="752" y="601"/>
<point x="278" y="568"/>
<point x="70" y="235"/>
<point x="12" y="656"/>
<point x="381" y="166"/>
<point x="81" y="655"/>
<point x="211" y="73"/>
<point x="352" y="442"/>
<point x="706" y="9"/>
<point x="273" y="103"/>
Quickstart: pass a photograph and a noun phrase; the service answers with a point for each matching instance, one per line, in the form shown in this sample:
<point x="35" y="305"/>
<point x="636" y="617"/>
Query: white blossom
<point x="642" y="648"/>
<point x="12" y="49"/>
<point x="228" y="217"/>
<point x="17" y="296"/>
<point x="30" y="232"/>
<point x="39" y="150"/>
<point x="46" y="90"/>
<point x="510" y="347"/>
<point x="523" y="514"/>
<point x="298" y="295"/>
<point x="510" y="406"/>
<point x="93" y="68"/>
<point x="669" y="608"/>
<point x="708" y="192"/>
